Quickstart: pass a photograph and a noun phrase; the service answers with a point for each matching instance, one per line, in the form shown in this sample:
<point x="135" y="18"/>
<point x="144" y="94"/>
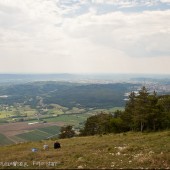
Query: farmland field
<point x="50" y="130"/>
<point x="16" y="139"/>
<point x="34" y="135"/>
<point x="38" y="134"/>
<point x="12" y="129"/>
<point x="52" y="125"/>
<point x="71" y="119"/>
<point x="4" y="140"/>
<point x="32" y="129"/>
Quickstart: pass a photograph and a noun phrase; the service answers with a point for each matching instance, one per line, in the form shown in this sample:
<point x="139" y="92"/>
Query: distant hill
<point x="113" y="151"/>
<point x="19" y="78"/>
<point x="34" y="77"/>
<point x="66" y="94"/>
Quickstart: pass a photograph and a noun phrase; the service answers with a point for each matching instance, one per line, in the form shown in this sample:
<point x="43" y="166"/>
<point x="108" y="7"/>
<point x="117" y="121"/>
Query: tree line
<point x="143" y="112"/>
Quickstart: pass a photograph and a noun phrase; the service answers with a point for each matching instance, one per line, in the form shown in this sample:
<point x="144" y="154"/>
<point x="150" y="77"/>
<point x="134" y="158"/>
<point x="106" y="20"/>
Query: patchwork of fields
<point x="32" y="135"/>
<point x="40" y="134"/>
<point x="34" y="131"/>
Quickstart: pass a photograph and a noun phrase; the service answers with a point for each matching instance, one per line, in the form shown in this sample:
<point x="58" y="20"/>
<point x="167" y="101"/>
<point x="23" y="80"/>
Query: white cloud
<point x="40" y="36"/>
<point x="129" y="3"/>
<point x="165" y="1"/>
<point x="131" y="33"/>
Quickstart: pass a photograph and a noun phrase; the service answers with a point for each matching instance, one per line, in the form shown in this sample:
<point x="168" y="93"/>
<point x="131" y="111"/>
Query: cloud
<point x="165" y="1"/>
<point x="75" y="36"/>
<point x="138" y="35"/>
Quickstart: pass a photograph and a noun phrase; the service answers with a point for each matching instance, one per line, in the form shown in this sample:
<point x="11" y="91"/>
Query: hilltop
<point x="125" y="150"/>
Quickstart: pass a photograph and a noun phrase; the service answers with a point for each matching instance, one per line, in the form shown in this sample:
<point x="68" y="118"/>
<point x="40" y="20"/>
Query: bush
<point x="67" y="132"/>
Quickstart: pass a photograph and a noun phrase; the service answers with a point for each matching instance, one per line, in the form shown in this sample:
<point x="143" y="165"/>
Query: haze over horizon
<point x="85" y="36"/>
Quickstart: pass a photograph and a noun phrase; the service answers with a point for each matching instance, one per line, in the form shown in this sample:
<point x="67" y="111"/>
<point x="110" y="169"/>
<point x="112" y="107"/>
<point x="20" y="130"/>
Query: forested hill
<point x="66" y="94"/>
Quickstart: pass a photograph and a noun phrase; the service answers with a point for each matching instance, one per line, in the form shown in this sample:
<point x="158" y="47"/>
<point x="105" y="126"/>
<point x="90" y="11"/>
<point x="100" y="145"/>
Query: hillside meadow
<point x="113" y="151"/>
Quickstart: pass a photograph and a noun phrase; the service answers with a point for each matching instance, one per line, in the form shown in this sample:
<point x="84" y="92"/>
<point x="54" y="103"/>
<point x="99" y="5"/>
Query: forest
<point x="143" y="112"/>
<point x="66" y="94"/>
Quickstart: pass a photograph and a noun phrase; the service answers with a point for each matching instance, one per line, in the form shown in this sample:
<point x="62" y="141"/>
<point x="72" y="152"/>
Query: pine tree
<point x="141" y="109"/>
<point x="154" y="112"/>
<point x="164" y="103"/>
<point x="128" y="115"/>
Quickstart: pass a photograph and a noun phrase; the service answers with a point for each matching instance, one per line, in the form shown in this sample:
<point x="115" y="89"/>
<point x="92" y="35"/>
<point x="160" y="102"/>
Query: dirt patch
<point x="12" y="129"/>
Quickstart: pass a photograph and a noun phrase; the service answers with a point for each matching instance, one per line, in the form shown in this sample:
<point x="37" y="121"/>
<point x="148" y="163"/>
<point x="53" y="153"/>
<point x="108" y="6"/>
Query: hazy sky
<point x="85" y="36"/>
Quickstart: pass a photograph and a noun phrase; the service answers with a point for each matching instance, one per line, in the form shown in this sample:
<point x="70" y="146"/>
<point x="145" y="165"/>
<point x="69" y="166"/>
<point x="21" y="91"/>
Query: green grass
<point x="4" y="140"/>
<point x="114" y="151"/>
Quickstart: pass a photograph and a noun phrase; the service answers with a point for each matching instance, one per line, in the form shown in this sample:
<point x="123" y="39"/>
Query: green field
<point x="75" y="110"/>
<point x="52" y="130"/>
<point x="14" y="113"/>
<point x="71" y="119"/>
<point x="76" y="120"/>
<point x="6" y="114"/>
<point x="4" y="140"/>
<point x="3" y="121"/>
<point x="34" y="135"/>
<point x="17" y="139"/>
<point x="38" y="134"/>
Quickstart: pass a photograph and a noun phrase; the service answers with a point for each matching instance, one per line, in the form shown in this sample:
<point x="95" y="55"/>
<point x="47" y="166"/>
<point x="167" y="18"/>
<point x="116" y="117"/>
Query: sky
<point x="85" y="36"/>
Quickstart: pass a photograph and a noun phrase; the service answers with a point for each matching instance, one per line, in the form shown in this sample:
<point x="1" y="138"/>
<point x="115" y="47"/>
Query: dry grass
<point x="127" y="151"/>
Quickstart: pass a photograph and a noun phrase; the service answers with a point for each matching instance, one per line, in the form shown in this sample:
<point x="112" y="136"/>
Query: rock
<point x="80" y="167"/>
<point x="118" y="153"/>
<point x="80" y="159"/>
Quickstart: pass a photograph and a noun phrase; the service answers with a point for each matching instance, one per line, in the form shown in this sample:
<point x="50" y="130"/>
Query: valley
<point x="36" y="110"/>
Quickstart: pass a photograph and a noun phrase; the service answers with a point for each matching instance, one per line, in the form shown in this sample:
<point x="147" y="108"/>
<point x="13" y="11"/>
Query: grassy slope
<point x="128" y="150"/>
